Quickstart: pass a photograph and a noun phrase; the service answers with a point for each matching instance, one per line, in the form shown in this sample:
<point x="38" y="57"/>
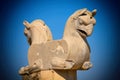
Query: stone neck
<point x="38" y="37"/>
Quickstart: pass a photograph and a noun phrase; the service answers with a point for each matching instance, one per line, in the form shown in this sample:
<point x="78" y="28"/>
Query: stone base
<point x="51" y="75"/>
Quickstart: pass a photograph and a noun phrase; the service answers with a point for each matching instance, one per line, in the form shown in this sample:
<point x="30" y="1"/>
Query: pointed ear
<point x="78" y="13"/>
<point x="26" y="24"/>
<point x="94" y="12"/>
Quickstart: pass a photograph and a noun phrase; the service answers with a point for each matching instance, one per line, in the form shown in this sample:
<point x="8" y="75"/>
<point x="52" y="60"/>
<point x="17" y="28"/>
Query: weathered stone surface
<point x="59" y="59"/>
<point x="51" y="75"/>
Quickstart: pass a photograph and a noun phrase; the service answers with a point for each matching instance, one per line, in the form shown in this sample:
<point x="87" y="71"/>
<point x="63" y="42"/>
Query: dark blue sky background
<point x="104" y="41"/>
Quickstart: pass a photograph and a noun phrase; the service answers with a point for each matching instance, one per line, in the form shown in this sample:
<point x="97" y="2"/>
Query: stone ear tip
<point x="94" y="12"/>
<point x="24" y="22"/>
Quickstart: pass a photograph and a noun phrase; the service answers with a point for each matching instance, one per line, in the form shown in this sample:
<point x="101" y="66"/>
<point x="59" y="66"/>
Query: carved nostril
<point x="91" y="17"/>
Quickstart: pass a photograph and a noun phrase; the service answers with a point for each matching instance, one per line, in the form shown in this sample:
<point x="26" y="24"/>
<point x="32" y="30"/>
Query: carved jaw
<point x="85" y="30"/>
<point x="82" y="33"/>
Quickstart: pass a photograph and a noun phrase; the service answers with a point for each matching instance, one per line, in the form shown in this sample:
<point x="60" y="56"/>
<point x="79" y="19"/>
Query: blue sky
<point x="103" y="42"/>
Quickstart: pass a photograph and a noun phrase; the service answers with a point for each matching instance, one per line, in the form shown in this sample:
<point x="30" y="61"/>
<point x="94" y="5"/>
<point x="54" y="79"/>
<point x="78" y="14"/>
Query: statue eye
<point x="83" y="14"/>
<point x="91" y="17"/>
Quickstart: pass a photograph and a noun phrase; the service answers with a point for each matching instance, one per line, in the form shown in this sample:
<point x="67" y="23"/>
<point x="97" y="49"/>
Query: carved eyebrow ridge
<point x="83" y="14"/>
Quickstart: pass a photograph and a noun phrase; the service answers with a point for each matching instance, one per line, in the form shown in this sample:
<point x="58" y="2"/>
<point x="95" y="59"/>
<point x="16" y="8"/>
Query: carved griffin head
<point x="39" y="26"/>
<point x="84" y="21"/>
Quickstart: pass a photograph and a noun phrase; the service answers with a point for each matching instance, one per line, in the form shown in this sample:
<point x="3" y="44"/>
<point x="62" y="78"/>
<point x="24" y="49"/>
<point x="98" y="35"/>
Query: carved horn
<point x="94" y="12"/>
<point x="26" y="24"/>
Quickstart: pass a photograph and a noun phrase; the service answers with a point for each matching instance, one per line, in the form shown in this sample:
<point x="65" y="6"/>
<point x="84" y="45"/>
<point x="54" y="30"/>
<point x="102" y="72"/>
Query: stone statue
<point x="71" y="53"/>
